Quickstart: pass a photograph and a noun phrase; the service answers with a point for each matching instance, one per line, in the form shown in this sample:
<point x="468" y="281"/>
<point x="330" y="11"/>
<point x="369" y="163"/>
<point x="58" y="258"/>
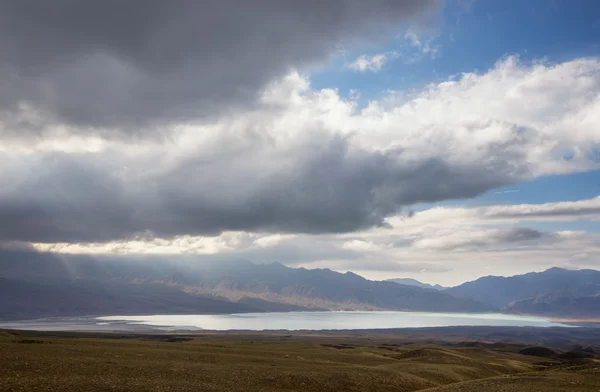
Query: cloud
<point x="115" y="66"/>
<point x="329" y="187"/>
<point x="560" y="210"/>
<point x="481" y="239"/>
<point x="413" y="50"/>
<point x="422" y="47"/>
<point x="588" y="209"/>
<point x="445" y="245"/>
<point x="381" y="267"/>
<point x="306" y="161"/>
<point x="372" y="63"/>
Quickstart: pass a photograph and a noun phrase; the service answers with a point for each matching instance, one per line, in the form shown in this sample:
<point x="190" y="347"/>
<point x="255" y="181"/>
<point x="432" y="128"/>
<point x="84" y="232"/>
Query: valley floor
<point x="359" y="361"/>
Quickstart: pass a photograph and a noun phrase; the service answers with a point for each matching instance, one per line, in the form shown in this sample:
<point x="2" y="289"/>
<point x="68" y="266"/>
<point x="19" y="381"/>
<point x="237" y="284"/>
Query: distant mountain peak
<point x="350" y="273"/>
<point x="353" y="275"/>
<point x="415" y="283"/>
<point x="558" y="269"/>
<point x="277" y="264"/>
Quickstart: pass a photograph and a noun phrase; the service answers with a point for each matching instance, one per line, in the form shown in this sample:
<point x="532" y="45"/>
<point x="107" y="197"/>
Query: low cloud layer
<point x="132" y="66"/>
<point x="307" y="161"/>
<point x="550" y="211"/>
<point x="481" y="239"/>
<point x="444" y="245"/>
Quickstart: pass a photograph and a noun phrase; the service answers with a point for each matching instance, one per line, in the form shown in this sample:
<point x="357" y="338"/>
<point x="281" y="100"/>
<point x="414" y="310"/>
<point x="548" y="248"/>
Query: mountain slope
<point x="42" y="284"/>
<point x="20" y="299"/>
<point x="550" y="305"/>
<point x="323" y="288"/>
<point x="531" y="289"/>
<point x="416" y="283"/>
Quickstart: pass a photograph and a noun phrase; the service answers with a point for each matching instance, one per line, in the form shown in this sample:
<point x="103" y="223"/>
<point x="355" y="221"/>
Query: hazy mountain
<point x="416" y="283"/>
<point x="554" y="291"/>
<point x="21" y="299"/>
<point x="42" y="284"/>
<point x="552" y="305"/>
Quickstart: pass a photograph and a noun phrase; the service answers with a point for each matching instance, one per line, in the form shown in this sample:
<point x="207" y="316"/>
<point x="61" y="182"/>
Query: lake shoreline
<point x="574" y="321"/>
<point x="280" y="321"/>
<point x="549" y="336"/>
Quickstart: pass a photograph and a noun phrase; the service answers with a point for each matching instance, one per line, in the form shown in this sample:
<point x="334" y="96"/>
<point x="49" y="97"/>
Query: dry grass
<point x="221" y="362"/>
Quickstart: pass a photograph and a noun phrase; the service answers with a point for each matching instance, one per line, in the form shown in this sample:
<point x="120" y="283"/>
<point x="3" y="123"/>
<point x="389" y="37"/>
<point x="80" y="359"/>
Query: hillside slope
<point x="550" y="305"/>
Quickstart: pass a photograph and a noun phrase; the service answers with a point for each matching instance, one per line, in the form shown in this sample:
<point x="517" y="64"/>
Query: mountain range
<point x="556" y="291"/>
<point x="43" y="284"/>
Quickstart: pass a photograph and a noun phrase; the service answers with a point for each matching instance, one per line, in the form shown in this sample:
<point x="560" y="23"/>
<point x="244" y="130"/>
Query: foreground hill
<point x="555" y="291"/>
<point x="43" y="284"/>
<point x="286" y="362"/>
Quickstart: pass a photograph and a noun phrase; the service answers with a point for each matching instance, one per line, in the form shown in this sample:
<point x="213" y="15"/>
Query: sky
<point x="431" y="139"/>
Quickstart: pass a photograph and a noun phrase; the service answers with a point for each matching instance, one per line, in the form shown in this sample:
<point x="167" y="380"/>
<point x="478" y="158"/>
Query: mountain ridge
<point x="555" y="291"/>
<point x="416" y="283"/>
<point x="44" y="284"/>
<point x="250" y="287"/>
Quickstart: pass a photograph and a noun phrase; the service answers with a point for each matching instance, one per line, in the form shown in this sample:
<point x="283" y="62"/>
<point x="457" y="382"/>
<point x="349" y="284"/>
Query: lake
<point x="279" y="321"/>
<point x="327" y="320"/>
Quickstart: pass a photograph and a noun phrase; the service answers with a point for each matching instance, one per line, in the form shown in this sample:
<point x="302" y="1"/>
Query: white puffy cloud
<point x="523" y="118"/>
<point x="372" y="63"/>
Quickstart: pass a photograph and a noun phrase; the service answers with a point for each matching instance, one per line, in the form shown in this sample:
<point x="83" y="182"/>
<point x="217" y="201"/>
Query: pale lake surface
<point x="280" y="321"/>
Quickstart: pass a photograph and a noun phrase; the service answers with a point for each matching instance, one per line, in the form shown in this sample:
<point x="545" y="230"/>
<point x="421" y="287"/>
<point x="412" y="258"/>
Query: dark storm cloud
<point x="60" y="197"/>
<point x="126" y="64"/>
